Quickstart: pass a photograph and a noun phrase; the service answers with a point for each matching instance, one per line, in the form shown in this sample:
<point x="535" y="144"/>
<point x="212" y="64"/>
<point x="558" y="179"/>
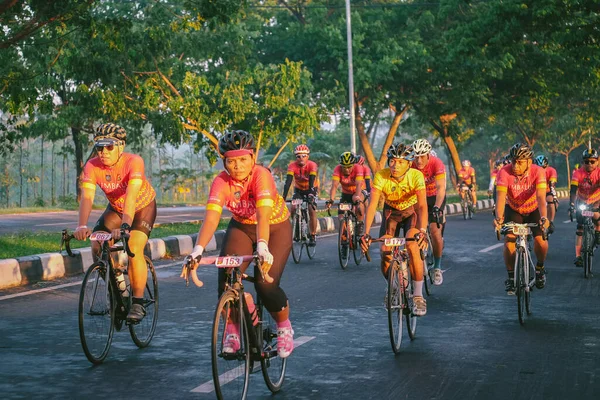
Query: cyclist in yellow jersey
<point x="403" y="189"/>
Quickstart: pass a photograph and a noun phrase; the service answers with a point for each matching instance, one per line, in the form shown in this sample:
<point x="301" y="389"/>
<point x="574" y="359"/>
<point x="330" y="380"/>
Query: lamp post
<point x="350" y="78"/>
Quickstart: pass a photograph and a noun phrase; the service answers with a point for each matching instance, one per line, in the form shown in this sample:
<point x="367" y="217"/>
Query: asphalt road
<point x="470" y="344"/>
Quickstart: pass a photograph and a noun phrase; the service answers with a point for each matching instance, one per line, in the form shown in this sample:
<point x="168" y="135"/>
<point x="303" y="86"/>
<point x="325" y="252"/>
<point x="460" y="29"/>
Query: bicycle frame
<point x="588" y="240"/>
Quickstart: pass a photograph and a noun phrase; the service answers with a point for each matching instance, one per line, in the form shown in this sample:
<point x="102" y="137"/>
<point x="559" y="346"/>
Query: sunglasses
<point x="108" y="148"/>
<point x="588" y="162"/>
<point x="301" y="156"/>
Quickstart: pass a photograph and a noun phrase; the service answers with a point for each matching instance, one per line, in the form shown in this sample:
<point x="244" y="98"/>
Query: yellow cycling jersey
<point x="400" y="194"/>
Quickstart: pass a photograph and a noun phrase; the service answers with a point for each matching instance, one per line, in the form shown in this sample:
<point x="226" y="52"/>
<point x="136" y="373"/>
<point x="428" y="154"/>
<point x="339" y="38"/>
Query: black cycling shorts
<point x="393" y="220"/>
<point x="143" y="219"/>
<point x="430" y="204"/>
<point x="346" y="198"/>
<point x="511" y="215"/>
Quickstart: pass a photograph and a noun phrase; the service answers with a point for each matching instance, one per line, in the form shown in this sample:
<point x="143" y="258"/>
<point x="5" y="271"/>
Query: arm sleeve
<point x="368" y="184"/>
<point x="311" y="182"/>
<point x="288" y="183"/>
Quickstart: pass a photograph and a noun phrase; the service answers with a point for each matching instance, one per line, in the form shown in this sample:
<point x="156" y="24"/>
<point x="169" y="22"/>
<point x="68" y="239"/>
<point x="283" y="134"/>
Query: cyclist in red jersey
<point x="367" y="174"/>
<point x="132" y="204"/>
<point x="551" y="179"/>
<point x="466" y="177"/>
<point x="351" y="177"/>
<point x="434" y="172"/>
<point x="521" y="198"/>
<point x="585" y="189"/>
<point x="492" y="187"/>
<point x="260" y="221"/>
<point x="304" y="174"/>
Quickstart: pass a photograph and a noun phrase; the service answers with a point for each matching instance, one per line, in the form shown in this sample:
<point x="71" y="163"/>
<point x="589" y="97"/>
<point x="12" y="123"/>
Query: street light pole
<point x="350" y="78"/>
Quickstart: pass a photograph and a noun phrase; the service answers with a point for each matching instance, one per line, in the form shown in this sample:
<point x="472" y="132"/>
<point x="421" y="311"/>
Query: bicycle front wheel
<point x="356" y="250"/>
<point x="272" y="366"/>
<point x="344" y="244"/>
<point x="407" y="293"/>
<point x="463" y="205"/>
<point x="231" y="370"/>
<point x="297" y="242"/>
<point x="520" y="284"/>
<point x="96" y="313"/>
<point x="586" y="251"/>
<point x="395" y="305"/>
<point x="143" y="332"/>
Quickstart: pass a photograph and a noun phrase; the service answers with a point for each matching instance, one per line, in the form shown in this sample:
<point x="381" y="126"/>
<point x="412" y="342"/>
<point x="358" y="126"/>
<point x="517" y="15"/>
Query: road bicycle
<point x="348" y="237"/>
<point x="301" y="229"/>
<point x="257" y="331"/>
<point x="588" y="238"/>
<point x="466" y="201"/>
<point x="524" y="268"/>
<point x="399" y="292"/>
<point x="104" y="299"/>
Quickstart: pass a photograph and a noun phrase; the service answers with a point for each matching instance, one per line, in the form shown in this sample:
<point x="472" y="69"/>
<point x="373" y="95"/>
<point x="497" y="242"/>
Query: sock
<point x="539" y="266"/>
<point x="137" y="300"/>
<point x="232" y="328"/>
<point x="284" y="324"/>
<point x="511" y="274"/>
<point x="418" y="288"/>
<point x="437" y="262"/>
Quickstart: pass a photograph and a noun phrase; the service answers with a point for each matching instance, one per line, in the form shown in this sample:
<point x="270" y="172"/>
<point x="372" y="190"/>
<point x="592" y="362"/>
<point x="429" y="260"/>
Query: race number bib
<point x="100" y="236"/>
<point x="395" y="242"/>
<point x="345" y="207"/>
<point x="587" y="213"/>
<point x="520" y="230"/>
<point x="229" y="262"/>
<point x="296" y="202"/>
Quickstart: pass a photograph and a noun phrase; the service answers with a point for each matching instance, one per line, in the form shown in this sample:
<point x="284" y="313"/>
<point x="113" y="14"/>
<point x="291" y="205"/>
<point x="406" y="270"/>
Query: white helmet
<point x="421" y="147"/>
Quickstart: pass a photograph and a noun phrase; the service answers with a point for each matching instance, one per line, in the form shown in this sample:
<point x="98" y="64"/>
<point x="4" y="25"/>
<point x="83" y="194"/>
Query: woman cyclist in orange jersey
<point x="260" y="221"/>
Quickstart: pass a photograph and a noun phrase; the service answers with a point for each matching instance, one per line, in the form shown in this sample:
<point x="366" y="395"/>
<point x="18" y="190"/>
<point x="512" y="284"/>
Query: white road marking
<point x="209" y="387"/>
<point x="567" y="221"/>
<point x="491" y="248"/>
<point x="178" y="215"/>
<point x="57" y="223"/>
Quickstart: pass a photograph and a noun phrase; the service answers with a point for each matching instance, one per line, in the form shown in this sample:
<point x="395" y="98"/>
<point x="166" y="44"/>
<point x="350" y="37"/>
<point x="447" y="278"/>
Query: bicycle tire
<point x="96" y="299"/>
<point x="272" y="366"/>
<point x="230" y="381"/>
<point x="520" y="284"/>
<point x="142" y="333"/>
<point x="297" y="242"/>
<point x="343" y="246"/>
<point x="411" y="319"/>
<point x="463" y="205"/>
<point x="356" y="250"/>
<point x="394" y="305"/>
<point x="470" y="206"/>
<point x="427" y="267"/>
<point x="586" y="250"/>
<point x="310" y="250"/>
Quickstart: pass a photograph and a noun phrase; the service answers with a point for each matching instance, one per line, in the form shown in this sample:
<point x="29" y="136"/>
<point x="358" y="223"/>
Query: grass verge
<point x="29" y="243"/>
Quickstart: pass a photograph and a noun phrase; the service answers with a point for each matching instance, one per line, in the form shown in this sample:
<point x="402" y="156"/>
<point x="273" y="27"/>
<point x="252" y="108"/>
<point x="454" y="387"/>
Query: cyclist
<point x="351" y="177"/>
<point x="521" y="198"/>
<point x="492" y="187"/>
<point x="466" y="177"/>
<point x="367" y="175"/>
<point x="260" y="221"/>
<point x="434" y="172"/>
<point x="304" y="174"/>
<point x="585" y="189"/>
<point x="403" y="189"/>
<point x="551" y="179"/>
<point x="132" y="204"/>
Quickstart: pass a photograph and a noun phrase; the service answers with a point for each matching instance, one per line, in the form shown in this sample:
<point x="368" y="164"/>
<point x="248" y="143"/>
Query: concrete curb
<point x="42" y="267"/>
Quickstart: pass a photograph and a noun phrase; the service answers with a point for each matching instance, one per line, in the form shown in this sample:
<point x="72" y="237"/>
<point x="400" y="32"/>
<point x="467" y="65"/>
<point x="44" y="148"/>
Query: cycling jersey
<point x="402" y="194"/>
<point x="242" y="198"/>
<point x="521" y="192"/>
<point x="115" y="180"/>
<point x="588" y="185"/>
<point x="551" y="176"/>
<point x="348" y="182"/>
<point x="433" y="171"/>
<point x="302" y="173"/>
<point x="466" y="175"/>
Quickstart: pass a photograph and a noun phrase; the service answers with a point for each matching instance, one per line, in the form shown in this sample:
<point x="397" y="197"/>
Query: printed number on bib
<point x="100" y="236"/>
<point x="520" y="230"/>
<point x="345" y="207"/>
<point x="228" y="262"/>
<point x="296" y="202"/>
<point x="587" y="213"/>
<point x="395" y="242"/>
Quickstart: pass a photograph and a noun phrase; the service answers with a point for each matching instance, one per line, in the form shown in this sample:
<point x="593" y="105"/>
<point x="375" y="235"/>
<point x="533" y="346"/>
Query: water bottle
<point x="350" y="226"/>
<point x="251" y="308"/>
<point x="122" y="285"/>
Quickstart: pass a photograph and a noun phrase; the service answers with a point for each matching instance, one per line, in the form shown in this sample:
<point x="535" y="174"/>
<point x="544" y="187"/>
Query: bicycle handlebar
<point x="504" y="228"/>
<point x="66" y="241"/>
<point x="382" y="239"/>
<point x="220" y="262"/>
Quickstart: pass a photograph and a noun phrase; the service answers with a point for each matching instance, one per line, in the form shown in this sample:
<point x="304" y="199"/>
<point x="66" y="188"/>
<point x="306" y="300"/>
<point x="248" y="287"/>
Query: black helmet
<point x="235" y="140"/>
<point x="347" y="159"/>
<point x="520" y="151"/>
<point x="400" y="150"/>
<point x="499" y="162"/>
<point x="110" y="131"/>
<point x="541" y="160"/>
<point x="590" y="153"/>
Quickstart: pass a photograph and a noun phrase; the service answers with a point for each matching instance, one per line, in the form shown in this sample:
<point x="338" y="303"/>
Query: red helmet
<point x="302" y="149"/>
<point x="360" y="160"/>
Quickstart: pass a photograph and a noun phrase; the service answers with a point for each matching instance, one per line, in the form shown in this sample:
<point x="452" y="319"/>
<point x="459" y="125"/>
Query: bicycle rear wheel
<point x="470" y="207"/>
<point x="463" y="205"/>
<point x="344" y="244"/>
<point x="96" y="313"/>
<point x="520" y="284"/>
<point x="143" y="332"/>
<point x="272" y="366"/>
<point x="297" y="242"/>
<point x="395" y="305"/>
<point x="230" y="371"/>
<point x="408" y="296"/>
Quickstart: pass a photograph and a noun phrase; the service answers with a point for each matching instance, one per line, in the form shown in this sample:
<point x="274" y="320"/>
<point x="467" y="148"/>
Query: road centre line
<point x="226" y="377"/>
<point x="487" y="249"/>
<point x="57" y="223"/>
<point x="567" y="221"/>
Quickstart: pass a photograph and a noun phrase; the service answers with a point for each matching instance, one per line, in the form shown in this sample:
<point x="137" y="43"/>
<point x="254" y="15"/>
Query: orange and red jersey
<point x="433" y="171"/>
<point x="115" y="180"/>
<point x="588" y="185"/>
<point x="302" y="173"/>
<point x="493" y="177"/>
<point x="348" y="182"/>
<point x="521" y="192"/>
<point x="551" y="176"/>
<point x="367" y="174"/>
<point x="242" y="198"/>
<point x="466" y="175"/>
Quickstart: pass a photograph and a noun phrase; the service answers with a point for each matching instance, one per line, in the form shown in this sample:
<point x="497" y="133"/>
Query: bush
<point x="68" y="202"/>
<point x="39" y="202"/>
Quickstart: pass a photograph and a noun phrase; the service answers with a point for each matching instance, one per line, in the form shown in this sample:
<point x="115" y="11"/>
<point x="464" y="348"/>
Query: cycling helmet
<point x="466" y="163"/>
<point x="498" y="163"/>
<point x="541" y="160"/>
<point x="590" y="153"/>
<point x="421" y="147"/>
<point x="400" y="150"/>
<point x="110" y="131"/>
<point x="520" y="151"/>
<point x="235" y="140"/>
<point x="360" y="160"/>
<point x="301" y="149"/>
<point x="347" y="159"/>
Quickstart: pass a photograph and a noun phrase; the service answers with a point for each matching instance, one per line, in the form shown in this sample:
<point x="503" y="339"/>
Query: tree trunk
<point x="375" y="164"/>
<point x="64" y="174"/>
<point x="52" y="178"/>
<point x="568" y="169"/>
<point x="78" y="141"/>
<point x="21" y="176"/>
<point x="42" y="172"/>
